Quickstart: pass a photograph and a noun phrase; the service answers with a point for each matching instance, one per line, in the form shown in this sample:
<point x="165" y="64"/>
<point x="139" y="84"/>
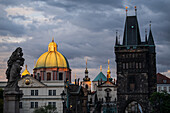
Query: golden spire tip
<point x="100" y="68"/>
<point x="53" y="39"/>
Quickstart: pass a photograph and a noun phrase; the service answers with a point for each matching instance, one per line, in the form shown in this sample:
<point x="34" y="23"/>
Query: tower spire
<point x="135" y="11"/>
<point x="52" y="39"/>
<point x="126" y="10"/>
<point x="100" y="68"/>
<point x="108" y="71"/>
<point x="150" y="39"/>
<point x="146" y="41"/>
<point x="86" y="78"/>
<point x="116" y="43"/>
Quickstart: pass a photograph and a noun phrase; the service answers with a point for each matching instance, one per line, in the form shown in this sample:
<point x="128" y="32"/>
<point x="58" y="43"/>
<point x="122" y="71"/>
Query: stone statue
<point x="15" y="63"/>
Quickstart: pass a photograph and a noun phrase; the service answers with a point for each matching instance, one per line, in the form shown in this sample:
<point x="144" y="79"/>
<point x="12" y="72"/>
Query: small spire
<point x="100" y="68"/>
<point x="26" y="66"/>
<point x="53" y="39"/>
<point x="150" y="24"/>
<point x="75" y="75"/>
<point x="135" y="11"/>
<point x="126" y="10"/>
<point x="116" y="43"/>
<point x="86" y="64"/>
<point x="146" y="36"/>
<point x="108" y="71"/>
<point x="108" y="64"/>
<point x="150" y="39"/>
<point x="119" y="40"/>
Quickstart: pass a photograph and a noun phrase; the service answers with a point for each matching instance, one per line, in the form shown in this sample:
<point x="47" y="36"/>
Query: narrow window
<point x="36" y="92"/>
<point x="136" y="65"/>
<point x="54" y="92"/>
<point x="123" y="65"/>
<point x="32" y="92"/>
<point x="36" y="104"/>
<point x="20" y="105"/>
<point x="32" y="104"/>
<point x="48" y="76"/>
<point x="60" y="76"/>
<point x="54" y="104"/>
<point x="50" y="92"/>
<point x="127" y="66"/>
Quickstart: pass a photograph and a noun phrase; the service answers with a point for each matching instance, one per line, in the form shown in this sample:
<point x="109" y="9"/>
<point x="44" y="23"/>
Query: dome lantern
<point x="52" y="46"/>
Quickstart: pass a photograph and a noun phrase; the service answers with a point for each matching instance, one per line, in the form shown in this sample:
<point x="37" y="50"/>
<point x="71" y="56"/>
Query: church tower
<point x="86" y="80"/>
<point x="136" y="68"/>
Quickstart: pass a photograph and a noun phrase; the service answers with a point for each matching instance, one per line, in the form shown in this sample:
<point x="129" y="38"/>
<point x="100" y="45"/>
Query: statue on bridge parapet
<point x="14" y="68"/>
<point x="12" y="94"/>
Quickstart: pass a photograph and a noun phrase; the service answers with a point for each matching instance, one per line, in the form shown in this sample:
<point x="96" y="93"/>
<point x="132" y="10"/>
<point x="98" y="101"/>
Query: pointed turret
<point x="108" y="71"/>
<point x="150" y="39"/>
<point x="146" y="40"/>
<point x="116" y="43"/>
<point x="86" y="78"/>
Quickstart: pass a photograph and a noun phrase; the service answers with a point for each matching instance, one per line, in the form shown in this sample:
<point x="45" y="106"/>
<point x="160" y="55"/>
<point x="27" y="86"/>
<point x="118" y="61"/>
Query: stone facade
<point x="136" y="68"/>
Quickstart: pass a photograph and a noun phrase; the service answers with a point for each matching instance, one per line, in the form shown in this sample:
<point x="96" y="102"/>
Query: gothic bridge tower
<point x="136" y="69"/>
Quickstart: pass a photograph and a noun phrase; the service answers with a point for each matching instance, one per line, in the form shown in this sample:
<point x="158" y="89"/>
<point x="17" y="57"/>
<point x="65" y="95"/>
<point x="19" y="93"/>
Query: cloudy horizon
<point x="82" y="29"/>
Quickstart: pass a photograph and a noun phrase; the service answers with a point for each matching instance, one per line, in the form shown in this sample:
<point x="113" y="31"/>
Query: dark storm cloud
<point x="84" y="28"/>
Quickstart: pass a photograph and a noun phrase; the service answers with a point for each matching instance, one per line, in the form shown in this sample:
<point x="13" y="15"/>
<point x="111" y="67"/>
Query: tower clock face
<point x="27" y="81"/>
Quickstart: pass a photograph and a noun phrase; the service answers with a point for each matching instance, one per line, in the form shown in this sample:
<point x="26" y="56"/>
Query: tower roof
<point x="150" y="39"/>
<point x="131" y="31"/>
<point x="99" y="77"/>
<point x="26" y="72"/>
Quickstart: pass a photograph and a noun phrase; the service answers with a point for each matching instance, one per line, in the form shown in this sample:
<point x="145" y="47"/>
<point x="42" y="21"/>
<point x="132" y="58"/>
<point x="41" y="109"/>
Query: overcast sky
<point x="81" y="28"/>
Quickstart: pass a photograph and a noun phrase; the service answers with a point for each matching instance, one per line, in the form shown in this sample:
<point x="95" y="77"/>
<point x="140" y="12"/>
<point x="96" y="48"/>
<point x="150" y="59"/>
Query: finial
<point x="108" y="64"/>
<point x="116" y="32"/>
<point x="86" y="63"/>
<point x="100" y="68"/>
<point x="150" y="24"/>
<point x="135" y="11"/>
<point x="126" y="10"/>
<point x="75" y="75"/>
<point x="146" y="36"/>
<point x="53" y="39"/>
<point x="119" y="39"/>
<point x="26" y="66"/>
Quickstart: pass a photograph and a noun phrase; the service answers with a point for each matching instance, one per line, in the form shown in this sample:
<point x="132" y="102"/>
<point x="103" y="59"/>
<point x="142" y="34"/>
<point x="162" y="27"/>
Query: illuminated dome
<point x="52" y="58"/>
<point x="26" y="72"/>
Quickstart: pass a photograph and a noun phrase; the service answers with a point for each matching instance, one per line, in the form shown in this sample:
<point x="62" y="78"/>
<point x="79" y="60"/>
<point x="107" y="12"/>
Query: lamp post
<point x="63" y="94"/>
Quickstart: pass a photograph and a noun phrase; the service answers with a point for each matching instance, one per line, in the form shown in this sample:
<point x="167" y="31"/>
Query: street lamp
<point x="63" y="94"/>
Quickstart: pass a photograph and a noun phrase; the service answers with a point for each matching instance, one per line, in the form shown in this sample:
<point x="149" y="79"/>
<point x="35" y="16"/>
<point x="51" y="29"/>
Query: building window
<point x="50" y="92"/>
<point x="165" y="89"/>
<point x="32" y="92"/>
<point x="36" y="104"/>
<point x="140" y="65"/>
<point x="159" y="89"/>
<point x="127" y="66"/>
<point x="48" y="76"/>
<point x="52" y="104"/>
<point x="131" y="85"/>
<point x="60" y="76"/>
<point x="54" y="92"/>
<point x="32" y="104"/>
<point x="123" y="65"/>
<point x="36" y="92"/>
<point x="20" y="105"/>
<point x="136" y="65"/>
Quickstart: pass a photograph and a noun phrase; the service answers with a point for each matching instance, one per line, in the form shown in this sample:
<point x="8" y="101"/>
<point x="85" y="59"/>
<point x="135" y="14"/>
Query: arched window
<point x="60" y="76"/>
<point x="86" y="86"/>
<point x="133" y="107"/>
<point x="48" y="76"/>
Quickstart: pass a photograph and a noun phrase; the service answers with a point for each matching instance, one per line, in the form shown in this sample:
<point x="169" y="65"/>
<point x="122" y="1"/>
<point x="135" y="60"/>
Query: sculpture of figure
<point x="14" y="68"/>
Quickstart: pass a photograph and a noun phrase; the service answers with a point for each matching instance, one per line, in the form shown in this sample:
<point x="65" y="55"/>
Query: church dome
<point x="52" y="58"/>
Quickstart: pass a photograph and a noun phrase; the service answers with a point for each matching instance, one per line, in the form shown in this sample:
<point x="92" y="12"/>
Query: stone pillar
<point x="11" y="100"/>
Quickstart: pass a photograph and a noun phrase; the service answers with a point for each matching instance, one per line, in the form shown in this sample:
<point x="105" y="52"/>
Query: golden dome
<point x="26" y="72"/>
<point x="52" y="58"/>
